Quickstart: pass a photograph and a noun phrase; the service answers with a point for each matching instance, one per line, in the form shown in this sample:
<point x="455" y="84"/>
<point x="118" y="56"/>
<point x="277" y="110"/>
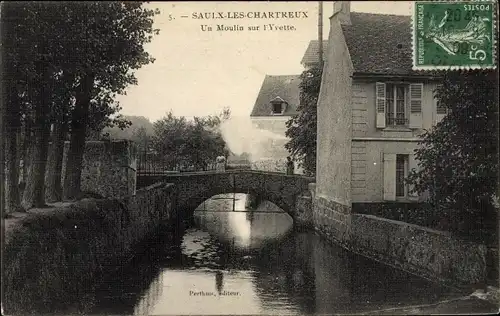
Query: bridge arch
<point x="194" y="188"/>
<point x="201" y="197"/>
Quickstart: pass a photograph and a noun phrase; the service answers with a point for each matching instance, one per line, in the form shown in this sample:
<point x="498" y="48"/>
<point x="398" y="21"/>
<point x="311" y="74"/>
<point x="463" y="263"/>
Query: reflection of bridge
<point x="195" y="187"/>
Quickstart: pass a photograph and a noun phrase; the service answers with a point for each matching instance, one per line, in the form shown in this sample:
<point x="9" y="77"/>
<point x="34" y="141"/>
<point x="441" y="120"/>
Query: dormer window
<point x="278" y="106"/>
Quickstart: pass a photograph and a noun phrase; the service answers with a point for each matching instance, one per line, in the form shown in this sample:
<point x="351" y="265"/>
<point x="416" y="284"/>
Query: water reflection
<point x="245" y="231"/>
<point x="224" y="203"/>
<point x="255" y="263"/>
<point x="219" y="281"/>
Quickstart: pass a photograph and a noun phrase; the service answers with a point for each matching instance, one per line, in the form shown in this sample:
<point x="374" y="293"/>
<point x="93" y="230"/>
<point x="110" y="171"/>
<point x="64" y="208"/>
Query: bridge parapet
<point x="196" y="187"/>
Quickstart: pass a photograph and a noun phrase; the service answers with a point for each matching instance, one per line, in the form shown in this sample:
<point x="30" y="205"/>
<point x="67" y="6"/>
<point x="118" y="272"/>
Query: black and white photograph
<point x="249" y="157"/>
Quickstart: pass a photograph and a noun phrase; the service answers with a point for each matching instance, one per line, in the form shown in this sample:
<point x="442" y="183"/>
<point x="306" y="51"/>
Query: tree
<point x="3" y="103"/>
<point x="203" y="144"/>
<point x="130" y="132"/>
<point x="141" y="138"/>
<point x="63" y="105"/>
<point x="108" y="40"/>
<point x="302" y="128"/>
<point x="101" y="116"/>
<point x="66" y="63"/>
<point x="182" y="144"/>
<point x="14" y="53"/>
<point x="458" y="158"/>
<point x="168" y="138"/>
<point x="40" y="89"/>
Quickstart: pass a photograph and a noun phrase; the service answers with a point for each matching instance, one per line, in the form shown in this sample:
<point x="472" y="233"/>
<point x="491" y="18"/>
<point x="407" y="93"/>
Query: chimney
<point x="342" y="9"/>
<point x="320" y="33"/>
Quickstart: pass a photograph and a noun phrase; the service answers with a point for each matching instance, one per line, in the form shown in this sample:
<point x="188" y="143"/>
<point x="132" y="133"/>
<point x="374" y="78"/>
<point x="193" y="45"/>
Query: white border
<point x="471" y="67"/>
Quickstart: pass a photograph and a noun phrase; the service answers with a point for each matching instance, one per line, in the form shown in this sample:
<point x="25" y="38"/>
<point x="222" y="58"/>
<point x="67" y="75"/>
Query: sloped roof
<point x="311" y="54"/>
<point x="285" y="87"/>
<point x="380" y="43"/>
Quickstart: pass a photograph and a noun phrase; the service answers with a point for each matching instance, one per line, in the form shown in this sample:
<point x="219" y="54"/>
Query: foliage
<point x="302" y="128"/>
<point x="74" y="39"/>
<point x="103" y="45"/>
<point x="181" y="143"/>
<point x="68" y="61"/>
<point x="458" y="158"/>
<point x="132" y="131"/>
<point x="101" y="116"/>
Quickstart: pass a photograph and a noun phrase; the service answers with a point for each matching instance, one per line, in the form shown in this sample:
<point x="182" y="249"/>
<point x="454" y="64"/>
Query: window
<point x="395" y="105"/>
<point x="396" y="170"/>
<point x="401" y="174"/>
<point x="399" y="104"/>
<point x="440" y="108"/>
<point x="277" y="107"/>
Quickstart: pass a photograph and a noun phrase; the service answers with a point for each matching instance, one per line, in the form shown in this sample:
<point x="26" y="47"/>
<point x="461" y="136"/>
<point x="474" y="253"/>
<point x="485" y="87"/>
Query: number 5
<point x="481" y="53"/>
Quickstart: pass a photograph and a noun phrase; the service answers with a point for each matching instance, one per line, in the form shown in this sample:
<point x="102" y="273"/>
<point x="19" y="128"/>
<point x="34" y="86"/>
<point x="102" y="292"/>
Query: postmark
<point x="450" y="35"/>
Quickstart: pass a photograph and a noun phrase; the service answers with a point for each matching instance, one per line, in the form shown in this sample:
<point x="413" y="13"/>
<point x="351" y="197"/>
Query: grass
<point x="52" y="258"/>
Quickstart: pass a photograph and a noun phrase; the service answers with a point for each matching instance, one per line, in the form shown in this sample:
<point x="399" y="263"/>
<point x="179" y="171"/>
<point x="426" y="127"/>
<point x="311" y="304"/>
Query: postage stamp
<point x="454" y="35"/>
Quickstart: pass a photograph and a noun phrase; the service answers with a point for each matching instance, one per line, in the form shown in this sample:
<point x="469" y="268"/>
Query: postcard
<point x="249" y="158"/>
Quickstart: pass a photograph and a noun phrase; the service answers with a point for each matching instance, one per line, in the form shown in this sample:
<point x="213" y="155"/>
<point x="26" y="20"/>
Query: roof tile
<point x="311" y="54"/>
<point x="380" y="43"/>
<point x="285" y="87"/>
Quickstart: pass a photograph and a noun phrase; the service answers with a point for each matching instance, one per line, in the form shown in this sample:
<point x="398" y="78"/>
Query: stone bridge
<point x="195" y="187"/>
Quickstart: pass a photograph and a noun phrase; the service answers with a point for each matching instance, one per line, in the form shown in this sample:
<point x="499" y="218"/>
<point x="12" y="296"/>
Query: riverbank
<point x="479" y="302"/>
<point x="59" y="250"/>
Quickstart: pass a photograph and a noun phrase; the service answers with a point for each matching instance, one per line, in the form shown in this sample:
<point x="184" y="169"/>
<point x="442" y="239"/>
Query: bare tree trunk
<point x="2" y="114"/>
<point x="53" y="187"/>
<point x="12" y="198"/>
<point x="73" y="173"/>
<point x="25" y="156"/>
<point x="11" y="106"/>
<point x="34" y="192"/>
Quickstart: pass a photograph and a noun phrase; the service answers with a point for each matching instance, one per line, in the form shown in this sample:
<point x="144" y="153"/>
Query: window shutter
<point x="441" y="112"/>
<point x="412" y="165"/>
<point x="390" y="177"/>
<point x="416" y="93"/>
<point x="380" y="104"/>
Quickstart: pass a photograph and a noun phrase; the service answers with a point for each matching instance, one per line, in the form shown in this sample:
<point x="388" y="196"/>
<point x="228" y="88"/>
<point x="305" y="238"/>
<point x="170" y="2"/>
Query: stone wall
<point x="77" y="244"/>
<point x="109" y="168"/>
<point x="304" y="208"/>
<point x="332" y="220"/>
<point x="423" y="251"/>
<point x="433" y="254"/>
<point x="150" y="207"/>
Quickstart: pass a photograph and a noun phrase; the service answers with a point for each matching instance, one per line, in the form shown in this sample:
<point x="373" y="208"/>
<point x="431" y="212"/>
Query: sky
<point x="198" y="73"/>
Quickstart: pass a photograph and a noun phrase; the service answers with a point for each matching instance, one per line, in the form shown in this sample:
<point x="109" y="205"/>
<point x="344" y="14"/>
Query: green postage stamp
<point x="454" y="35"/>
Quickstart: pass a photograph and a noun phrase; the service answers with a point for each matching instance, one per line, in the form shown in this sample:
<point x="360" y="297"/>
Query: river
<point x="254" y="262"/>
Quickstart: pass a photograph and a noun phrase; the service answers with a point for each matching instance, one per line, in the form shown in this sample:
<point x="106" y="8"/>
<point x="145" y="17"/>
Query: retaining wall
<point x="60" y="251"/>
<point x="432" y="254"/>
<point x="108" y="167"/>
<point x="429" y="253"/>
